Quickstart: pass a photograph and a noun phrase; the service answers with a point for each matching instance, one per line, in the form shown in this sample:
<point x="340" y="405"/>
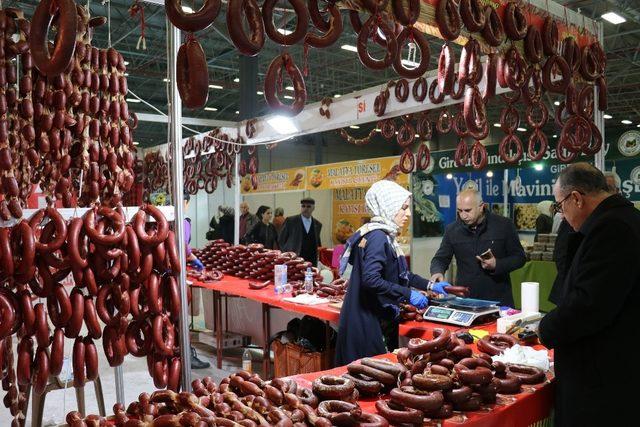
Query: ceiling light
<point x="538" y="167"/>
<point x="638" y="126"/>
<point x="187" y="9"/>
<point x="349" y="47"/>
<point x="607" y="116"/>
<point x="133" y="100"/>
<point x="126" y="74"/>
<point x="337" y="95"/>
<point x="556" y="103"/>
<point x="489" y="174"/>
<point x="260" y="92"/>
<point x="289" y="88"/>
<point x="210" y="109"/>
<point x="417" y="136"/>
<point x="496" y="125"/>
<point x="521" y="130"/>
<point x="282" y="124"/>
<point x="136" y="143"/>
<point x="626" y="122"/>
<point x="555" y="136"/>
<point x="614" y="18"/>
<point x="284" y="32"/>
<point x="166" y="80"/>
<point x="408" y="63"/>
<point x="126" y="62"/>
<point x="354" y="127"/>
<point x="237" y="80"/>
<point x="216" y="87"/>
<point x="449" y="176"/>
<point x="237" y="112"/>
<point x="288" y="97"/>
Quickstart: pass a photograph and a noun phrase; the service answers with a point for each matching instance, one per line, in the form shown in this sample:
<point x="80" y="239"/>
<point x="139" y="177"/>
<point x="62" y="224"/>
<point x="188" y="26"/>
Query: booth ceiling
<point x="333" y="71"/>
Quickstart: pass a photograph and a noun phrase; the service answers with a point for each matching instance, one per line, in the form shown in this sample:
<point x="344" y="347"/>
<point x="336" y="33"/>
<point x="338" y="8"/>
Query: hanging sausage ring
<point x="401" y="16"/>
<point x="407" y="161"/>
<point x="448" y="19"/>
<point x="472" y="15"/>
<point x="515" y="22"/>
<point x="479" y="157"/>
<point x="271" y="81"/>
<point x="445" y="121"/>
<point x="508" y="145"/>
<point x="195" y="21"/>
<point x="541" y="138"/>
<point x="415" y="36"/>
<point x="52" y="65"/>
<point x="402" y="90"/>
<point x="406" y="134"/>
<point x="246" y="45"/>
<point x="301" y="25"/>
<point x="424" y="157"/>
<point x="446" y="69"/>
<point x="332" y="33"/>
<point x="419" y="89"/>
<point x="368" y="28"/>
<point x="192" y="77"/>
<point x="531" y="114"/>
<point x="475" y="113"/>
<point x="423" y="127"/>
<point x="493" y="31"/>
<point x="550" y="36"/>
<point x="462" y="153"/>
<point x="533" y="45"/>
<point x="549" y="69"/>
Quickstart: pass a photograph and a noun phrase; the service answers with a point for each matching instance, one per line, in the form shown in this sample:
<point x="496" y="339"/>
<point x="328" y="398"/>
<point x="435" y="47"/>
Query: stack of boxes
<point x="542" y="250"/>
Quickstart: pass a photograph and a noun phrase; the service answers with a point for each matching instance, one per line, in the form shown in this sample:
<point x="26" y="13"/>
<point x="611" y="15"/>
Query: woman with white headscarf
<point x="544" y="221"/>
<point x="380" y="279"/>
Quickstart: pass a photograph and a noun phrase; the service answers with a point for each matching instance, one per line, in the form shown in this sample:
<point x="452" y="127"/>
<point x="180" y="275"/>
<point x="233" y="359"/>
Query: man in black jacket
<point x="475" y="232"/>
<point x="596" y="375"/>
<point x="301" y="233"/>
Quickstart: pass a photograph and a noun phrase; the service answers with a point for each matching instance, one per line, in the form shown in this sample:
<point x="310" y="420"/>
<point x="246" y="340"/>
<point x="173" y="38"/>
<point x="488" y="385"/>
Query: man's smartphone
<point x="486" y="254"/>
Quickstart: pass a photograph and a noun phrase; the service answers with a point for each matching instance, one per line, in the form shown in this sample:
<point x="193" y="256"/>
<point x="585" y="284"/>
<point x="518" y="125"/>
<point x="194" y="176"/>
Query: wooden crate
<point x="292" y="359"/>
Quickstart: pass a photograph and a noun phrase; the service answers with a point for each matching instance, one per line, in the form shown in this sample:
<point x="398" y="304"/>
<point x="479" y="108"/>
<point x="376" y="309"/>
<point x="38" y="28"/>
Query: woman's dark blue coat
<point x="379" y="282"/>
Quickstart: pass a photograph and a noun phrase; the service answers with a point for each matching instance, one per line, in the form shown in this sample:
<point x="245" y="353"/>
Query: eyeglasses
<point x="557" y="206"/>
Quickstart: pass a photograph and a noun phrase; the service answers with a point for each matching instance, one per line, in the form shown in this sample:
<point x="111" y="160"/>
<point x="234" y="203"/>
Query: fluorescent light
<point x="237" y="80"/>
<point x="136" y="143"/>
<point x="282" y="124"/>
<point x="614" y="18"/>
<point x="607" y="116"/>
<point x="187" y="9"/>
<point x="166" y="80"/>
<point x="496" y="125"/>
<point x="538" y="167"/>
<point x="289" y="88"/>
<point x="216" y="87"/>
<point x="417" y="136"/>
<point x="126" y="62"/>
<point x="237" y="112"/>
<point x="638" y="126"/>
<point x="260" y="92"/>
<point x="354" y="127"/>
<point x="449" y="176"/>
<point x="284" y="32"/>
<point x="626" y="122"/>
<point x="288" y="97"/>
<point x="210" y="109"/>
<point x="521" y="130"/>
<point x="133" y="100"/>
<point x="408" y="63"/>
<point x="349" y="47"/>
<point x="126" y="74"/>
<point x="555" y="136"/>
<point x="556" y="103"/>
<point x="489" y="174"/>
<point x="337" y="95"/>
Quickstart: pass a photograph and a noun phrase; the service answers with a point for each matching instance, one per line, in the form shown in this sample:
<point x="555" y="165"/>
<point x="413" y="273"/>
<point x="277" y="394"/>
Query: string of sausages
<point x="64" y="120"/>
<point x="124" y="292"/>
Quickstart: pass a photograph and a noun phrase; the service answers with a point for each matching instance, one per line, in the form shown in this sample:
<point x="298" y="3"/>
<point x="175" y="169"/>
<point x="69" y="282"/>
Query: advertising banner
<point x="359" y="173"/>
<point x="276" y="181"/>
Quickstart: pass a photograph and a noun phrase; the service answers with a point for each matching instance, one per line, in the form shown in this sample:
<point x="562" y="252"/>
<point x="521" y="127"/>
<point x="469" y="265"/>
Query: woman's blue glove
<point x="418" y="300"/>
<point x="197" y="264"/>
<point x="438" y="287"/>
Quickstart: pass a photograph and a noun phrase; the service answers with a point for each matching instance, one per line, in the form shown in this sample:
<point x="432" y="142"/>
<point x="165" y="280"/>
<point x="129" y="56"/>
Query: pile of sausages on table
<point x="433" y="379"/>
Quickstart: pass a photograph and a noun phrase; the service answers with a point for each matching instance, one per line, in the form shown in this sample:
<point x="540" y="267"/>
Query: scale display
<point x="456" y="316"/>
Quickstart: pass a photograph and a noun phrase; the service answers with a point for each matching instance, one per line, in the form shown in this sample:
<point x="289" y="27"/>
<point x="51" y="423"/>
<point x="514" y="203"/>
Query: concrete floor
<point x="136" y="380"/>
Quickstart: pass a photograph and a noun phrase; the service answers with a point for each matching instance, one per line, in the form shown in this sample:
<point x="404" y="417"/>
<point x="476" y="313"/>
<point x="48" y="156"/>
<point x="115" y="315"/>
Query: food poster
<point x="275" y="181"/>
<point x="359" y="173"/>
<point x="350" y="213"/>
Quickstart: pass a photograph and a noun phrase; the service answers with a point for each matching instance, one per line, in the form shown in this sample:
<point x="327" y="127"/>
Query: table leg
<point x="226" y="313"/>
<point x="191" y="307"/>
<point x="327" y="344"/>
<point x="266" y="334"/>
<point x="217" y="316"/>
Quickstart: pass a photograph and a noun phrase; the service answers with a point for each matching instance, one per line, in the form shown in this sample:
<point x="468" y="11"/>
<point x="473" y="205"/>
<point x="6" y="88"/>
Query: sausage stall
<point x="65" y="125"/>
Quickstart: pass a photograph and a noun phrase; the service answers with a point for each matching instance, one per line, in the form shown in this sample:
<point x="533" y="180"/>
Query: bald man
<point x="476" y="231"/>
<point x="247" y="221"/>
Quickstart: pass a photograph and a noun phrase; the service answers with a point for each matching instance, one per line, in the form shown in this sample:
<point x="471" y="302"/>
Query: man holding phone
<point x="486" y="246"/>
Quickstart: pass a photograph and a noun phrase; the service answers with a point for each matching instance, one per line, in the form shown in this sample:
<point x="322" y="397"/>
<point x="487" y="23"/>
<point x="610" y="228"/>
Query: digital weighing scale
<point x="460" y="311"/>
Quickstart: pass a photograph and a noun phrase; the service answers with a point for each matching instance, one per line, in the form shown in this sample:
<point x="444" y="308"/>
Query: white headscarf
<point x="544" y="207"/>
<point x="384" y="199"/>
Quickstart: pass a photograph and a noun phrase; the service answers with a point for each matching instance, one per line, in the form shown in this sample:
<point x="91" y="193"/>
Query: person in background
<point x="600" y="303"/>
<point x="338" y="250"/>
<point x="225" y="229"/>
<point x="196" y="363"/>
<point x="544" y="221"/>
<point x="301" y="233"/>
<point x="263" y="232"/>
<point x="247" y="220"/>
<point x="613" y="181"/>
<point x="474" y="232"/>
<point x="380" y="279"/>
<point x="278" y="219"/>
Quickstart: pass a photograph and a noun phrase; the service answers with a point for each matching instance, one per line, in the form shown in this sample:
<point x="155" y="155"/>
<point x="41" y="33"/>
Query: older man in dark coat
<point x="301" y="233"/>
<point x="593" y="328"/>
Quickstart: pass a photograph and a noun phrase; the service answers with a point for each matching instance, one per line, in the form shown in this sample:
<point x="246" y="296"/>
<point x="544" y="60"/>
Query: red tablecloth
<point x="524" y="409"/>
<point x="240" y="287"/>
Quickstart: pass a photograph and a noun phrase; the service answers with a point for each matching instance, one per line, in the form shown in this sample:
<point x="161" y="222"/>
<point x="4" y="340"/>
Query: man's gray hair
<point x="471" y="192"/>
<point x="616" y="179"/>
<point x="582" y="177"/>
